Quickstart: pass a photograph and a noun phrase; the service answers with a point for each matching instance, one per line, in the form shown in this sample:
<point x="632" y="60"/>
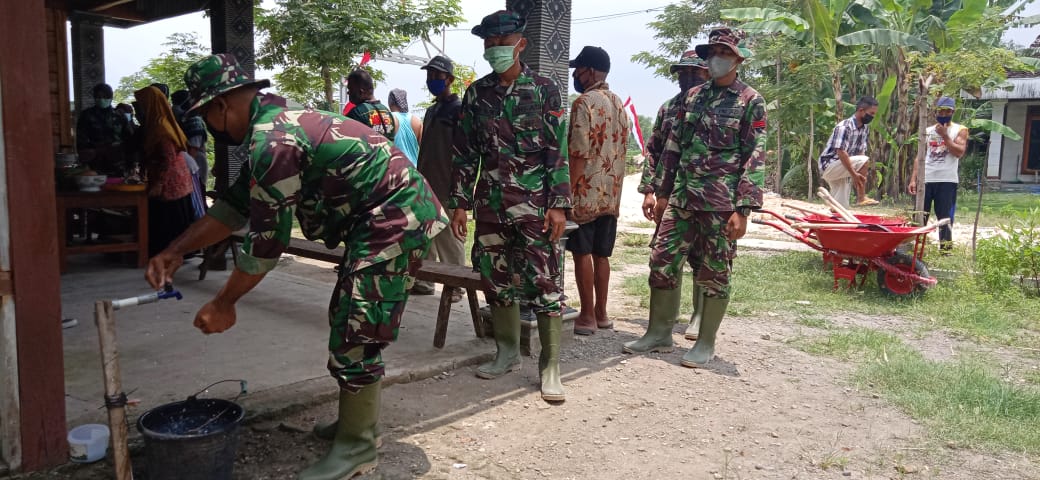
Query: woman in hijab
<point x="170" y="210"/>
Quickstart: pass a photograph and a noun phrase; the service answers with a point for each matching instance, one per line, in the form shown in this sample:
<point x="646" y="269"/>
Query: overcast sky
<point x="127" y="50"/>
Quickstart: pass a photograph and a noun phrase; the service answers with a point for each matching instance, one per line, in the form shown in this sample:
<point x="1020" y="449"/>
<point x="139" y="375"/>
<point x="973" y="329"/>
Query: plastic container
<point x="87" y="443"/>
<point x="195" y="439"/>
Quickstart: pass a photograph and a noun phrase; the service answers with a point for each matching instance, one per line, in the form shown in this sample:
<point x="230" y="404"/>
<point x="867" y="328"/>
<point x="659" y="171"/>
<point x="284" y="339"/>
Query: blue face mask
<point x="578" y="87"/>
<point x="437" y="86"/>
<point x="944" y="120"/>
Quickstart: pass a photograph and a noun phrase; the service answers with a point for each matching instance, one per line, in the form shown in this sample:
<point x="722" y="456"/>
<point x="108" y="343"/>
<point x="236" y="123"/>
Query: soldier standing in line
<point x="512" y="133"/>
<point x="344" y="183"/>
<point x="710" y="184"/>
<point x="691" y="71"/>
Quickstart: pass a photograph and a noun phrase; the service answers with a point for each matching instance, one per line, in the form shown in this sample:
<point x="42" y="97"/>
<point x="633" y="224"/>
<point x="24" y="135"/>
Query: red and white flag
<point x="631" y="107"/>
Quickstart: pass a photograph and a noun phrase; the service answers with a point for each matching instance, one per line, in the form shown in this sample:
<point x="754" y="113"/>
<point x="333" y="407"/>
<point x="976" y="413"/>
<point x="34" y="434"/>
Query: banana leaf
<point x="880" y="36"/>
<point x="991" y="126"/>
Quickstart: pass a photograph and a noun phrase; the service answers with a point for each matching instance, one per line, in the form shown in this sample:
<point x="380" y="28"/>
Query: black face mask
<point x="867" y="119"/>
<point x="222" y="137"/>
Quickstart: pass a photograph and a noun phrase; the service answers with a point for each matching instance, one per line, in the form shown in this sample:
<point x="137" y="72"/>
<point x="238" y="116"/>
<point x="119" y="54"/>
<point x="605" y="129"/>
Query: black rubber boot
<point x="354" y="448"/>
<point x="549" y="329"/>
<point x="694" y="329"/>
<point x="664" y="307"/>
<point x="703" y="351"/>
<point x="506" y="322"/>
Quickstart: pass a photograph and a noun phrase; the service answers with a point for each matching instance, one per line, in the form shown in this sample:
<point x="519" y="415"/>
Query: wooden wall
<point x="58" y="81"/>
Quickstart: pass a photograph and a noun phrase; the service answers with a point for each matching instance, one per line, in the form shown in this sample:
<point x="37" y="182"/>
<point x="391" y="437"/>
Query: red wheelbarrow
<point x="855" y="250"/>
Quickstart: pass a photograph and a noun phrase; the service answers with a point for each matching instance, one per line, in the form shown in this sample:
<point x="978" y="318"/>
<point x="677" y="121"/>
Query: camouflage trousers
<point x="364" y="317"/>
<point x="697" y="237"/>
<point x="502" y="252"/>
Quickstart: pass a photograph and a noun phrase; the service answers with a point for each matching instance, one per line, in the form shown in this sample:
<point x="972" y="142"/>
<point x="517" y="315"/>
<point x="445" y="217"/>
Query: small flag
<point x="635" y="124"/>
<point x="367" y="57"/>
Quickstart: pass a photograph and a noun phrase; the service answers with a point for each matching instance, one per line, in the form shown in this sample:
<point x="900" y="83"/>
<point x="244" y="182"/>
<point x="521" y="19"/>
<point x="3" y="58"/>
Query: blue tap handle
<point x="169" y="292"/>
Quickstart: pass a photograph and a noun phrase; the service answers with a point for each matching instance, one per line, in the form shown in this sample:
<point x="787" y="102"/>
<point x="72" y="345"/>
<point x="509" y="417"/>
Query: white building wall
<point x="1011" y="160"/>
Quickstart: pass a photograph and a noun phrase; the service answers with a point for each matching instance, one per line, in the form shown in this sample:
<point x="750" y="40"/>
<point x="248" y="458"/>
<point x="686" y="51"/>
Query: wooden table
<point x="67" y="201"/>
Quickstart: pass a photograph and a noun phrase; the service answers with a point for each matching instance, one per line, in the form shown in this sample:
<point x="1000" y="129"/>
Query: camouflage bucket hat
<point x="726" y="37"/>
<point x="502" y="22"/>
<point x="689" y="59"/>
<point x="215" y="75"/>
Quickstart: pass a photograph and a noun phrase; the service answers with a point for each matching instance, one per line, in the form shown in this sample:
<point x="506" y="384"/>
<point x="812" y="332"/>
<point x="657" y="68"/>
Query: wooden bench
<point x="451" y="276"/>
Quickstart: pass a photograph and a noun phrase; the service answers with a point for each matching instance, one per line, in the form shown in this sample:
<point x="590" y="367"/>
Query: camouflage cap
<point x="689" y="59"/>
<point x="502" y="22"/>
<point x="215" y="75"/>
<point x="723" y="36"/>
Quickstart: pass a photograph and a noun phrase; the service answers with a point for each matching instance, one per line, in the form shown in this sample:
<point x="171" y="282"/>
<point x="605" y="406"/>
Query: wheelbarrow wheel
<point x="901" y="285"/>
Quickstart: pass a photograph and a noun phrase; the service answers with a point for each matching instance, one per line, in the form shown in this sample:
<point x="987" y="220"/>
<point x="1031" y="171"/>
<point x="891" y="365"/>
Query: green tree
<point x="315" y="41"/>
<point x="182" y="50"/>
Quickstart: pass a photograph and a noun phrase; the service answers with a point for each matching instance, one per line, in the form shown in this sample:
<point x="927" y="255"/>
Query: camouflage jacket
<point x="515" y="139"/>
<point x="715" y="152"/>
<point x="655" y="147"/>
<point x="101" y="127"/>
<point x="375" y="115"/>
<point x="344" y="182"/>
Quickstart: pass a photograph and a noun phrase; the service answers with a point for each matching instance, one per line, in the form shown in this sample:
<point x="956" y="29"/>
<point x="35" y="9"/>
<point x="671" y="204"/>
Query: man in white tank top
<point x="946" y="144"/>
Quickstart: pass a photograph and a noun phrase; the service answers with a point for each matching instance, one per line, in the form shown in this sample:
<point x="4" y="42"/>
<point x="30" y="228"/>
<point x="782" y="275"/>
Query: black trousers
<point x="944" y="196"/>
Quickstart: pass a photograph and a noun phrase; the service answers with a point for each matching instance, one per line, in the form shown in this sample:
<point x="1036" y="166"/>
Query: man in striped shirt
<point x="843" y="163"/>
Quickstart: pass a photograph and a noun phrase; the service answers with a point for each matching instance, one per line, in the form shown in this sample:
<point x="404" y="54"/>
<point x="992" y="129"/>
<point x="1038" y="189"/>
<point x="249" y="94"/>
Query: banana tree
<point x="818" y="24"/>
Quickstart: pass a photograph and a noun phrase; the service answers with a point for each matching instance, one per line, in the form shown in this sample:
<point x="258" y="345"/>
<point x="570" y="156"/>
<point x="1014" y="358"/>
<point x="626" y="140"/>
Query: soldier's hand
<point x="659" y="208"/>
<point x="649" y="202"/>
<point x="458" y="223"/>
<point x="555" y="222"/>
<point x="162" y="267"/>
<point x="215" y="317"/>
<point x="736" y="227"/>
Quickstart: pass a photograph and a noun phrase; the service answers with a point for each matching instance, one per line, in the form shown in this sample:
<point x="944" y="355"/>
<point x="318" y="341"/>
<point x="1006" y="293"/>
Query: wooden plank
<point x="6" y="286"/>
<point x="34" y="266"/>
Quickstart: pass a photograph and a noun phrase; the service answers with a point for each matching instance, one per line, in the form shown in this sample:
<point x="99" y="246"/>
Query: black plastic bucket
<point x="195" y="439"/>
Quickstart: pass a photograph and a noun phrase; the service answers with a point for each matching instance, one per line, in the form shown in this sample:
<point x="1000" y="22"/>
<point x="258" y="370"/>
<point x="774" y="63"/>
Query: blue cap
<point x="945" y="102"/>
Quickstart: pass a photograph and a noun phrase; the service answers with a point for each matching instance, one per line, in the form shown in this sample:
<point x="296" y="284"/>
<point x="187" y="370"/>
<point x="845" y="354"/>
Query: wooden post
<point x="115" y="400"/>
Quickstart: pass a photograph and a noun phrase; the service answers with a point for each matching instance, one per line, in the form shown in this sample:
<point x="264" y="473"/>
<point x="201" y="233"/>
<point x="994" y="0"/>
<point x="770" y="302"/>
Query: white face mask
<point x="719" y="67"/>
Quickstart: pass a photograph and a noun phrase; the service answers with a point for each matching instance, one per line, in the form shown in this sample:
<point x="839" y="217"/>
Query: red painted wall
<point x="30" y="186"/>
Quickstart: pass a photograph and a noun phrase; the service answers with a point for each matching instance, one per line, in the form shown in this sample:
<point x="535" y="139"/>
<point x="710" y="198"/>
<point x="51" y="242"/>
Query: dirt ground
<point x="762" y="410"/>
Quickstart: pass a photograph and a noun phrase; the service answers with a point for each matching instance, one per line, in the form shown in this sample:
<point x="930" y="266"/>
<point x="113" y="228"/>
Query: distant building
<point x="1017" y="106"/>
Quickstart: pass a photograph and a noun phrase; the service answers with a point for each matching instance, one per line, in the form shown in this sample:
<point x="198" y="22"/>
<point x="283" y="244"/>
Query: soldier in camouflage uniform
<point x="512" y="134"/>
<point x="692" y="71"/>
<point x="345" y="184"/>
<point x="711" y="181"/>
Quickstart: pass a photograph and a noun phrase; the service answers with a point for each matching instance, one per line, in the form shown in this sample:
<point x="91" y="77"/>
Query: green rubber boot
<point x="506" y="323"/>
<point x="327" y="431"/>
<point x="549" y="328"/>
<point x="354" y="448"/>
<point x="664" y="307"/>
<point x="695" y="319"/>
<point x="711" y="317"/>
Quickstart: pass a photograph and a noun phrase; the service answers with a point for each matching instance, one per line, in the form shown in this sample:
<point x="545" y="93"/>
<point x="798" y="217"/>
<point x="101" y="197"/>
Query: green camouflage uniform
<point x="510" y="167"/>
<point x="345" y="184"/>
<point x="655" y="147"/>
<point x="711" y="166"/>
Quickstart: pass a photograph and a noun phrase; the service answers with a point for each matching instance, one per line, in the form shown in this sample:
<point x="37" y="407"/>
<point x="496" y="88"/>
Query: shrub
<point x="1014" y="257"/>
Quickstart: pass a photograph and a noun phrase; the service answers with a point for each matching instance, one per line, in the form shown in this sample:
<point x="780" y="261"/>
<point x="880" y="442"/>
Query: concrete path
<point x="277" y="345"/>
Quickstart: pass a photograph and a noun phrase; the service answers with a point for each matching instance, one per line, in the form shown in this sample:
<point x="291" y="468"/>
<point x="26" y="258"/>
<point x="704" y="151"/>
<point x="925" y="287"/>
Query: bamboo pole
<point x="922" y="147"/>
<point x="115" y="400"/>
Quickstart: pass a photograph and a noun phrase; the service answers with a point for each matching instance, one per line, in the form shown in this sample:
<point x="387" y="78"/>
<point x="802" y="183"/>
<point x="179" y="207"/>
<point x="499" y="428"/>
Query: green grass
<point x="1033" y="377"/>
<point x="996" y="206"/>
<point x="964" y="402"/>
<point x="784" y="283"/>
<point x="643" y="224"/>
